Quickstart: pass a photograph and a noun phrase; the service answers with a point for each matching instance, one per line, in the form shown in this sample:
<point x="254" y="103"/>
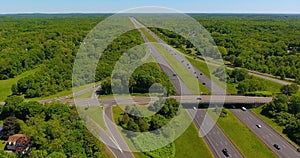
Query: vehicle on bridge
<point x="244" y="109"/>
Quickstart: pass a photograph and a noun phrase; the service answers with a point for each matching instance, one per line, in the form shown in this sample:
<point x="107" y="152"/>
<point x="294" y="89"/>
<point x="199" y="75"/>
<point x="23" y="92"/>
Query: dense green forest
<point x="55" y="129"/>
<point x="264" y="43"/>
<point x="51" y="43"/>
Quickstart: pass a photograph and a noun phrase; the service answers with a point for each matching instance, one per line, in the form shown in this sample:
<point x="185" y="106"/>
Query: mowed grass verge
<point x="5" y="85"/>
<point x="247" y="142"/>
<point x="188" y="78"/>
<point x="189" y="144"/>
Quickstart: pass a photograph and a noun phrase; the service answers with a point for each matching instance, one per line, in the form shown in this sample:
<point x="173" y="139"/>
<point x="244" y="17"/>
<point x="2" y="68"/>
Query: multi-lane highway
<point x="216" y="140"/>
<point x="267" y="134"/>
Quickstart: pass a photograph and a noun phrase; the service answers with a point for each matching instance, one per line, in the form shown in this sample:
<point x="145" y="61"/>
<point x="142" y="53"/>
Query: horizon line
<point x="53" y="13"/>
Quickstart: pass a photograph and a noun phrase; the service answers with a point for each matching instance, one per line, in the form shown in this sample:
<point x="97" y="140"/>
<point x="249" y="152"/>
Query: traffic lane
<point x="267" y="134"/>
<point x="214" y="146"/>
<point x="214" y="136"/>
<point x="206" y="81"/>
<point x="115" y="133"/>
<point x="212" y="86"/>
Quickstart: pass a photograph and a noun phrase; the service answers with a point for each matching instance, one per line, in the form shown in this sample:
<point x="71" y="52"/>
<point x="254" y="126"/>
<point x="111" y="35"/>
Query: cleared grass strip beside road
<point x="243" y="139"/>
<point x="230" y="88"/>
<point x="188" y="79"/>
<point x="190" y="145"/>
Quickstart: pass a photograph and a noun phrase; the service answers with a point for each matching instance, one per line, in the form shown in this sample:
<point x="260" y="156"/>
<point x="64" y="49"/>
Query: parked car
<point x="277" y="146"/>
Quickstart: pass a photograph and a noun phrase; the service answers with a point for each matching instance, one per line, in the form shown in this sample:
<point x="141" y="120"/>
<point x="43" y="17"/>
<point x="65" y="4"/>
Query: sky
<point x="113" y="6"/>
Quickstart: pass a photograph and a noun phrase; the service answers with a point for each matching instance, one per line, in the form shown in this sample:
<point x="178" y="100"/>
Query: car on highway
<point x="225" y="152"/>
<point x="195" y="108"/>
<point x="277" y="146"/>
<point x="244" y="109"/>
<point x="298" y="149"/>
<point x="258" y="126"/>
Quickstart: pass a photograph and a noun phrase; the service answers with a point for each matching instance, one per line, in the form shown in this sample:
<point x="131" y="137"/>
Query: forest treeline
<point x="264" y="43"/>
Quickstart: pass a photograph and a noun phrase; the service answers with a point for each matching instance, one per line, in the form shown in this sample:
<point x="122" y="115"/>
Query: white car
<point x="244" y="109"/>
<point x="258" y="126"/>
<point x="195" y="108"/>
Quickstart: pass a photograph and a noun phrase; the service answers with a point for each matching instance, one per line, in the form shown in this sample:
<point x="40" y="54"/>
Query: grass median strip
<point x="230" y="88"/>
<point x="188" y="79"/>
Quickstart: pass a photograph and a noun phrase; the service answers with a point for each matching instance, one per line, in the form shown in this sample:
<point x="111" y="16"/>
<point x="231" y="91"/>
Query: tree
<point x="144" y="126"/>
<point x="14" y="89"/>
<point x="106" y="86"/>
<point x="157" y="122"/>
<point x="280" y="103"/>
<point x="294" y="105"/>
<point x="239" y="74"/>
<point x="10" y="127"/>
<point x="56" y="154"/>
<point x="289" y="89"/>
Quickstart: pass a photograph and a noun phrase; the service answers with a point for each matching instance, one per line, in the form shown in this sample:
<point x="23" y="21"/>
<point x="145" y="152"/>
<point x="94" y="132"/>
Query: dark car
<point x="225" y="152"/>
<point x="277" y="146"/>
<point x="298" y="149"/>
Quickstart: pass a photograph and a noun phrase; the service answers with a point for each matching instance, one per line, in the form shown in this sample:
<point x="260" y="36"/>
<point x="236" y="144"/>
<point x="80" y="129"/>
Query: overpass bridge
<point x="186" y="99"/>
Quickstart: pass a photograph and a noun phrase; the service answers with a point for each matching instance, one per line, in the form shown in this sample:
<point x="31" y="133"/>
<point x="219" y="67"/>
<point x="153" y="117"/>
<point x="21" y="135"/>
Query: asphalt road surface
<point x="121" y="149"/>
<point x="267" y="134"/>
<point x="215" y="139"/>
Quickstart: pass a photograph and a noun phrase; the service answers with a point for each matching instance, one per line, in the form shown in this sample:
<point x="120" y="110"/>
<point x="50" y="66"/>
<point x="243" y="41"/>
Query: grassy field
<point x="189" y="144"/>
<point x="5" y="85"/>
<point x="243" y="138"/>
<point x="270" y="122"/>
<point x="271" y="86"/>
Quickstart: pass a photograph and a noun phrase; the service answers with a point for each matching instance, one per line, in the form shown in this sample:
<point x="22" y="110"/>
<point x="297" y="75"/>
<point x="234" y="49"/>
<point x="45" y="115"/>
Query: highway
<point x="215" y="138"/>
<point x="250" y="72"/>
<point x="267" y="134"/>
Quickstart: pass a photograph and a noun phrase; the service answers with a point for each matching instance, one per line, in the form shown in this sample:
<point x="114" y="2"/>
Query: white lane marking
<point x="116" y="143"/>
